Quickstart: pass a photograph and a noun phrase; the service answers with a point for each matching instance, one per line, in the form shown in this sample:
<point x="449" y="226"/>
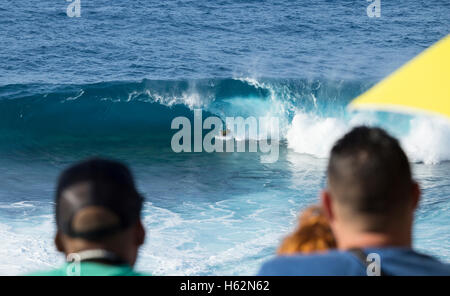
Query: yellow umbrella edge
<point x="358" y="102"/>
<point x="401" y="109"/>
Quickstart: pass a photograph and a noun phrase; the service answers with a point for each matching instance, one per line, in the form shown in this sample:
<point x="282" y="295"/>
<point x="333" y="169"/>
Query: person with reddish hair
<point x="313" y="234"/>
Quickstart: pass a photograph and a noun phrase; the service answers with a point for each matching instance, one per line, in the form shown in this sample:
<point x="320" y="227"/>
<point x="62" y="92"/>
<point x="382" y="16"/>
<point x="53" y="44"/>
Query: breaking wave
<point x="312" y="113"/>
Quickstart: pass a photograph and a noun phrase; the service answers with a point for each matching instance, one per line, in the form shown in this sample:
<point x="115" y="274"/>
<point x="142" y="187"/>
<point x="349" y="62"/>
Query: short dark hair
<point x="370" y="173"/>
<point x="111" y="186"/>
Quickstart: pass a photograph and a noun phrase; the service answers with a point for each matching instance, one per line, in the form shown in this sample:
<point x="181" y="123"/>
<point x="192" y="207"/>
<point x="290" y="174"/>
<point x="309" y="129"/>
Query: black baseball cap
<point x="104" y="185"/>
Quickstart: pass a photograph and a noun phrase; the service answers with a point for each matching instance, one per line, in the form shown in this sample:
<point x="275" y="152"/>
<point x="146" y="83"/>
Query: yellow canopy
<point x="423" y="84"/>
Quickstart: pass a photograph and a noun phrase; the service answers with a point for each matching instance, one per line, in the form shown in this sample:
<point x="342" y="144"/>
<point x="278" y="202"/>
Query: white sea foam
<point x="28" y="247"/>
<point x="313" y="135"/>
<point x="209" y="238"/>
<point x="427" y="139"/>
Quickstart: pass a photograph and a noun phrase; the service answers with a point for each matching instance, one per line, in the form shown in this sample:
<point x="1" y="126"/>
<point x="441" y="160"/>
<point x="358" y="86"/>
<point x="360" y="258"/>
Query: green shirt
<point x="90" y="269"/>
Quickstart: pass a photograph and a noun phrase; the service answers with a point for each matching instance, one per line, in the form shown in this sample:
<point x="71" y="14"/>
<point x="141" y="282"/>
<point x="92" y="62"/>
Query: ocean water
<point x="110" y="82"/>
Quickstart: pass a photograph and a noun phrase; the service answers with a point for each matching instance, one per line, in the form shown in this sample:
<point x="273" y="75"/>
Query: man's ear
<point x="58" y="242"/>
<point x="140" y="233"/>
<point x="325" y="198"/>
<point x="416" y="192"/>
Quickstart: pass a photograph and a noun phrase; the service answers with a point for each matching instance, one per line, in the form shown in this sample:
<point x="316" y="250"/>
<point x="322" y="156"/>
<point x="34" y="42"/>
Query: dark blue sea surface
<point x="110" y="82"/>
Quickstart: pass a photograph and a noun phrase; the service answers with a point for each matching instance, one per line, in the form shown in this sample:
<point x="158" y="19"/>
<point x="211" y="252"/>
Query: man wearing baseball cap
<point x="98" y="217"/>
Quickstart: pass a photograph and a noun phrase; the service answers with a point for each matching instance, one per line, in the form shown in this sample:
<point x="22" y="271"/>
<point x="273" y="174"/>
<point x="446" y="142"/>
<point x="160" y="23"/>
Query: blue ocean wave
<point x="154" y="103"/>
<point x="312" y="113"/>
